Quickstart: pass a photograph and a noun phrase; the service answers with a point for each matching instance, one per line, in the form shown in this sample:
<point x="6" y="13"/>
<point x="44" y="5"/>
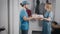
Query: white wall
<point x="57" y="12"/>
<point x="4" y="15"/>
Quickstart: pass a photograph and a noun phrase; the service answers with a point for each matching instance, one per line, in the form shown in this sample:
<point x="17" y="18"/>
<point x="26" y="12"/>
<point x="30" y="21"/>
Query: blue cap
<point x="24" y="2"/>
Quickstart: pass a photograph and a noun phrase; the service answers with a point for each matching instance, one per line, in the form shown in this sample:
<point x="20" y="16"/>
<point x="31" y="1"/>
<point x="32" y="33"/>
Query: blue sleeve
<point x="51" y="15"/>
<point x="23" y="13"/>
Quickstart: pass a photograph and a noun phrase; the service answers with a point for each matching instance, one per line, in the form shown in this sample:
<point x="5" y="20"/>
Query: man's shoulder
<point x="22" y="11"/>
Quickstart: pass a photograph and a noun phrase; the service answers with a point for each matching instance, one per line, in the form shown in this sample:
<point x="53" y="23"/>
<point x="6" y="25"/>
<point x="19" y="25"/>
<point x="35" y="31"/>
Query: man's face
<point x="26" y="6"/>
<point x="48" y="7"/>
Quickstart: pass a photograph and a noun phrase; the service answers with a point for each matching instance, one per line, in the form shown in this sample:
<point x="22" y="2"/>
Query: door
<point x="4" y="16"/>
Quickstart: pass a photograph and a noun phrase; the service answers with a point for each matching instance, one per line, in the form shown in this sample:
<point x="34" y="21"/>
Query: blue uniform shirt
<point x="24" y="24"/>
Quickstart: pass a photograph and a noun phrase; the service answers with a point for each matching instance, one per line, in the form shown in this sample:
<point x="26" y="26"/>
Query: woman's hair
<point x="48" y="3"/>
<point x="21" y="4"/>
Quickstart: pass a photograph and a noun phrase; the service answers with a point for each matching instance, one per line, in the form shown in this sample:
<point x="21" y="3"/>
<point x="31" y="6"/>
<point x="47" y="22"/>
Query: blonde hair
<point x="48" y="6"/>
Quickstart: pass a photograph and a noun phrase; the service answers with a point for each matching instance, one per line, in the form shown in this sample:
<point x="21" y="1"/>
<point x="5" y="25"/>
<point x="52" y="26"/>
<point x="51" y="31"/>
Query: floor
<point x="36" y="32"/>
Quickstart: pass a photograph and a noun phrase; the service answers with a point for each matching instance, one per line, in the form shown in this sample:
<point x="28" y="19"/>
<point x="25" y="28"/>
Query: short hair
<point x="21" y="4"/>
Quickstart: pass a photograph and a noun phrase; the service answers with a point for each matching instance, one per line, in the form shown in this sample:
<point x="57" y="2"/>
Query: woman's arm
<point x="48" y="19"/>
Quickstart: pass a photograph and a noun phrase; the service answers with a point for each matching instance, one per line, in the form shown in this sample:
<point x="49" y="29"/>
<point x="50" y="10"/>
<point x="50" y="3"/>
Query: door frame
<point x="13" y="22"/>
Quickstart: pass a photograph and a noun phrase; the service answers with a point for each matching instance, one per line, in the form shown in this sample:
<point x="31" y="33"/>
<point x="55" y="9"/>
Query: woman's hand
<point x="48" y="19"/>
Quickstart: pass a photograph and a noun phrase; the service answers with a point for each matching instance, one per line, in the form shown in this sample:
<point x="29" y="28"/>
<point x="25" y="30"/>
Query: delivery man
<point x="24" y="19"/>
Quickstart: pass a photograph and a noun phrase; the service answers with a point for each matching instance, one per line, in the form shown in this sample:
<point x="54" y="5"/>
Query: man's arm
<point x="27" y="19"/>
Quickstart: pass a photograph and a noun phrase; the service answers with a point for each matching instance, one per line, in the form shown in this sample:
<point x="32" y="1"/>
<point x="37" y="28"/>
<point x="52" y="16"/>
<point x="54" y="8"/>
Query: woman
<point x="24" y="19"/>
<point x="48" y="16"/>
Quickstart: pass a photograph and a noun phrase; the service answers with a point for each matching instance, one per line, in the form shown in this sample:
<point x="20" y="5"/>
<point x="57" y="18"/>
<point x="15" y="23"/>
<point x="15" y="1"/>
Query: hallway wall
<point x="57" y="13"/>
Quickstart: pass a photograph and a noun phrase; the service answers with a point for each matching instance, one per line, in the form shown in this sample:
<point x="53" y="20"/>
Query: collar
<point x="24" y="8"/>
